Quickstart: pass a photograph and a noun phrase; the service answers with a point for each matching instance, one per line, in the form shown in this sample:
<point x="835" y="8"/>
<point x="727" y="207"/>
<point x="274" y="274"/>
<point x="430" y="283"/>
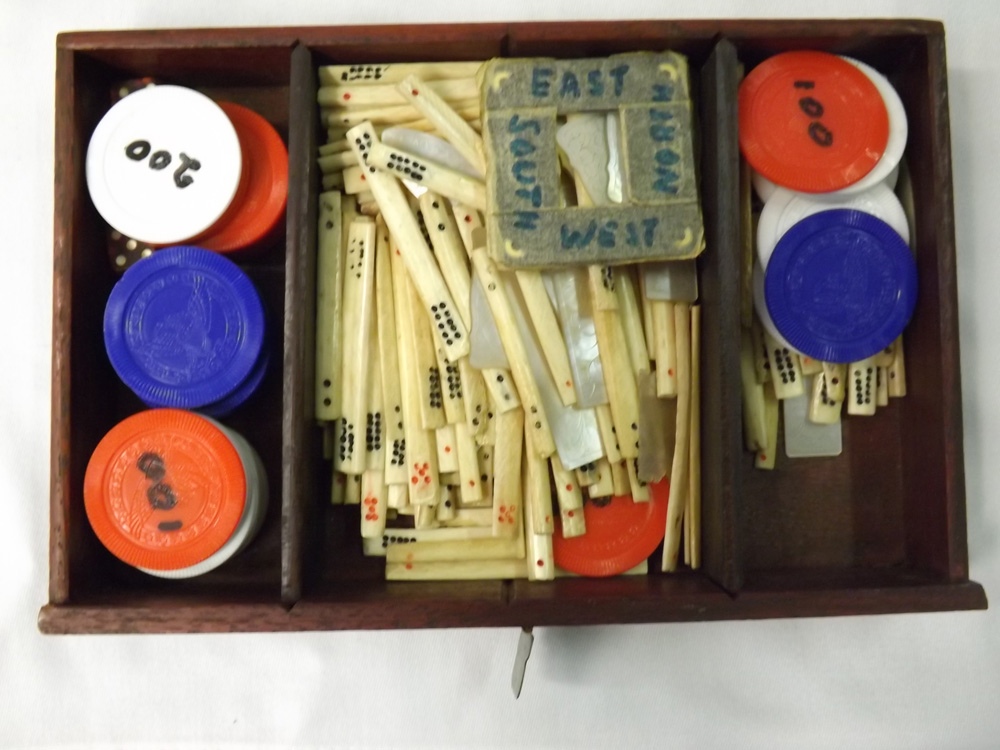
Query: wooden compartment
<point x="879" y="529"/>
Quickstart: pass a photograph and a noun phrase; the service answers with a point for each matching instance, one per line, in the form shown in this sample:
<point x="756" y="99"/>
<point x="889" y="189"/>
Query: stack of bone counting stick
<point x="477" y="410"/>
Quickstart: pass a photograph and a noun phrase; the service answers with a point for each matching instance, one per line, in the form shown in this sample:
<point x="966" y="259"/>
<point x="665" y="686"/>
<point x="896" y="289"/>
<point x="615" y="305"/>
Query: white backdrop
<point x="905" y="681"/>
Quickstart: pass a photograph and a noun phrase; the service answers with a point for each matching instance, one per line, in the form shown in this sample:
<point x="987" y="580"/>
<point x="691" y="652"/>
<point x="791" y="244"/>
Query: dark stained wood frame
<point x="880" y="530"/>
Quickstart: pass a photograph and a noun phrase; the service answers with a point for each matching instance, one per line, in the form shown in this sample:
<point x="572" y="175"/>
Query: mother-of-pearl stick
<point x="374" y="73"/>
<point x="628" y="307"/>
<point x="577" y="321"/>
<point x="537" y="493"/>
<point x="694" y="450"/>
<point x="623" y="395"/>
<point x="603" y="485"/>
<point x="449" y="251"/>
<point x="657" y="420"/>
<point x="374" y="503"/>
<point x="420" y="448"/>
<point x="467" y="109"/>
<point x="754" y="419"/>
<point x="862" y="396"/>
<point x="333" y="181"/>
<point x="822" y="408"/>
<point x="507" y="473"/>
<point x="447" y="450"/>
<point x="568" y="493"/>
<point x="451" y="551"/>
<point x="574" y="430"/>
<point x="550" y="337"/>
<point x="359" y="277"/>
<point x="329" y="308"/>
<point x="470" y="480"/>
<point x="679" y="485"/>
<point x="464" y="570"/>
<point x="882" y="386"/>
<point x="786" y="374"/>
<point x="435" y="176"/>
<point x="350" y="96"/>
<point x="385" y="316"/>
<point x="419" y="259"/>
<point x="768" y="452"/>
<point x="431" y="101"/>
<point x="500" y="304"/>
<point x="538" y="539"/>
<point x="897" y="371"/>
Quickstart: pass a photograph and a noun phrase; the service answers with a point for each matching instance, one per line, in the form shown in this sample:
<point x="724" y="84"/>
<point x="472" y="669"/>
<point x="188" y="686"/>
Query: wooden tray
<point x="880" y="529"/>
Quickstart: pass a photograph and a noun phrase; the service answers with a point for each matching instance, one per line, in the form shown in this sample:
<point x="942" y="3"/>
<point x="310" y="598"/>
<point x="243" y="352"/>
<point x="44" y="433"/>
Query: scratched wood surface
<point x="885" y="522"/>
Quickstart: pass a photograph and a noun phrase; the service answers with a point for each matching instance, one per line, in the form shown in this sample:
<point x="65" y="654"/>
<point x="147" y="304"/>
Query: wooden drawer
<point x="882" y="528"/>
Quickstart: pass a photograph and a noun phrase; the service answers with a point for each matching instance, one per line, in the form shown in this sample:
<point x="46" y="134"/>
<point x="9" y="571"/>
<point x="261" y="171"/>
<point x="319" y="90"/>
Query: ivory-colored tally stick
<point x="823" y="409"/>
<point x="385" y="316"/>
<point x="836" y="380"/>
<point x="426" y="515"/>
<point x="768" y="452"/>
<point x="573" y="523"/>
<point x="338" y="488"/>
<point x="786" y="374"/>
<point x="419" y="259"/>
<point x="400" y="114"/>
<point x="639" y="488"/>
<point x="329" y="307"/>
<point x="754" y="419"/>
<point x="537" y="493"/>
<point x="334" y="181"/>
<point x="425" y="363"/>
<point x="609" y="438"/>
<point x="761" y="362"/>
<point x="862" y="396"/>
<point x="359" y="276"/>
<point x="882" y="386"/>
<point x="550" y="338"/>
<point x="568" y="492"/>
<point x="449" y="251"/>
<point x="431" y="101"/>
<point x="437" y="177"/>
<point x="447" y="505"/>
<point x="351" y="96"/>
<point x="399" y="496"/>
<point x="623" y="394"/>
<point x="507" y="473"/>
<point x="473" y="517"/>
<point x="619" y="478"/>
<point x="375" y="418"/>
<point x="420" y="448"/>
<point x="666" y="348"/>
<point x="694" y="451"/>
<point x="447" y="450"/>
<point x="897" y="371"/>
<point x="475" y="397"/>
<point x="374" y="503"/>
<point x="484" y="460"/>
<point x="628" y="308"/>
<point x="352" y="490"/>
<point x="604" y="485"/>
<point x="679" y="472"/>
<point x="540" y="557"/>
<point x="363" y="74"/>
<point x="470" y="482"/>
<point x="336" y="162"/>
<point x="465" y="570"/>
<point x="500" y="305"/>
<point x="453" y="551"/>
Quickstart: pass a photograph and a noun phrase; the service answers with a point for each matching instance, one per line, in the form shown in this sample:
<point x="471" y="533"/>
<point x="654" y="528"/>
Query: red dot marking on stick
<point x="763" y="457"/>
<point x="569" y="383"/>
<point x="468" y="218"/>
<point x="362" y="178"/>
<point x="427" y="480"/>
<point x="346" y="97"/>
<point x="409" y="566"/>
<point x="670" y="372"/>
<point x="447" y="449"/>
<point x="569" y="488"/>
<point x="569" y="514"/>
<point x="472" y="482"/>
<point x="414" y="92"/>
<point x="540" y="563"/>
<point x="414" y="480"/>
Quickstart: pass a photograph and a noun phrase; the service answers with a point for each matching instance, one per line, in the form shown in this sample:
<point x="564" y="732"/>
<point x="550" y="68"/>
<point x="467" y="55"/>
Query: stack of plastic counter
<point x="834" y="279"/>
